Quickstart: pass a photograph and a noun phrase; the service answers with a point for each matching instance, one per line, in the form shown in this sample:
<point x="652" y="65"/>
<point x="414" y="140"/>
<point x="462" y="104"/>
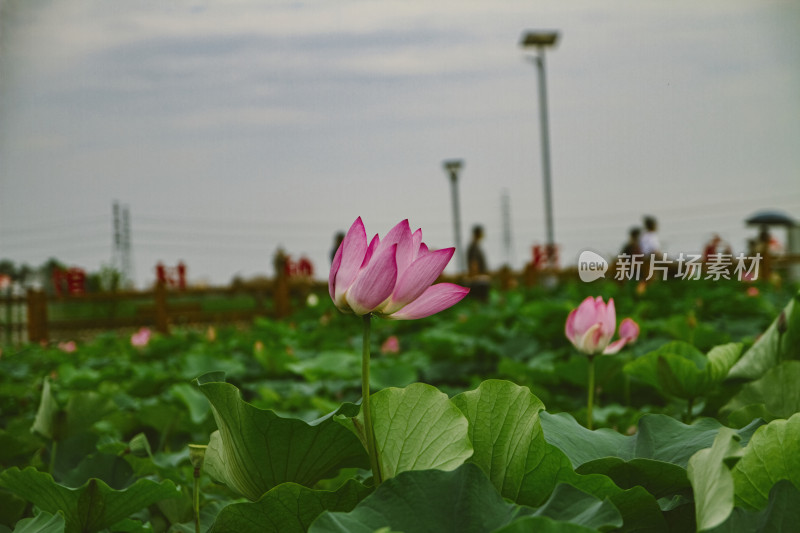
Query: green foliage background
<point x="97" y="439"/>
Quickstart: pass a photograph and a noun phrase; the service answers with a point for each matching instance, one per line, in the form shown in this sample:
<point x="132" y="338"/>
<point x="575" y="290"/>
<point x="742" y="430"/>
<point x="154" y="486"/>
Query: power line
<point x="93" y="220"/>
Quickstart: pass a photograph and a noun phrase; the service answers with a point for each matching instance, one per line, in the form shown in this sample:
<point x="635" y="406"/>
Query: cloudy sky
<point x="232" y="128"/>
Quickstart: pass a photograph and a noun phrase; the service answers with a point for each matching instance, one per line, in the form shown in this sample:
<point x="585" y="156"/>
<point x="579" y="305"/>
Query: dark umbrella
<point x="771" y="218"/>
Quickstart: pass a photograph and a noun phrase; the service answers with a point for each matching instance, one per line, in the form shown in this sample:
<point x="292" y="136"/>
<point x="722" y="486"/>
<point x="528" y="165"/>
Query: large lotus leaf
<point x="503" y="427"/>
<point x="781" y="515"/>
<point x="255" y="449"/>
<point x="112" y="469"/>
<point x="463" y="501"/>
<point x="287" y="508"/>
<point x="780" y="342"/>
<point x="42" y="523"/>
<point x="17" y="443"/>
<point x="543" y="524"/>
<point x="511" y="449"/>
<point x="711" y="479"/>
<point x="775" y="395"/>
<point x="340" y="364"/>
<point x="655" y="457"/>
<point x="83" y="409"/>
<point x="93" y="506"/>
<point x="569" y="504"/>
<point x="194" y="400"/>
<point x="772" y="454"/>
<point x="418" y="428"/>
<point x="459" y="501"/>
<point x="639" y="509"/>
<point x="657" y="437"/>
<point x="679" y="369"/>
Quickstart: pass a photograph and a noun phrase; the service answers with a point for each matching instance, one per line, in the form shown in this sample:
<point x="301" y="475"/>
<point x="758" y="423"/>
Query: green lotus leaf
<point x="711" y="479"/>
<point x="418" y="428"/>
<point x="655" y="457"/>
<point x="510" y="447"/>
<point x="255" y="450"/>
<point x="503" y="427"/>
<point x="287" y="508"/>
<point x="772" y="454"/>
<point x="91" y="507"/>
<point x="679" y="369"/>
<point x="42" y="523"/>
<point x="463" y="501"/>
<point x="776" y="394"/>
<point x="781" y="514"/>
<point x="780" y="342"/>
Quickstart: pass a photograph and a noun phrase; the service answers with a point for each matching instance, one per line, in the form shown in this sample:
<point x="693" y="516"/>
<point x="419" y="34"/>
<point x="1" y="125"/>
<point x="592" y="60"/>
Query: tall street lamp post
<point x="541" y="40"/>
<point x="452" y="167"/>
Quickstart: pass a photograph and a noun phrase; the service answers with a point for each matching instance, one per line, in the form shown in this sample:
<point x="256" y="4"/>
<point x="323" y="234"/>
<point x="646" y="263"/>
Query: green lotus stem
<point x="626" y="389"/>
<point x="368" y="432"/>
<point x="689" y="407"/>
<point x="53" y="449"/>
<point x="197" y="454"/>
<point x="196" y="503"/>
<point x="590" y="393"/>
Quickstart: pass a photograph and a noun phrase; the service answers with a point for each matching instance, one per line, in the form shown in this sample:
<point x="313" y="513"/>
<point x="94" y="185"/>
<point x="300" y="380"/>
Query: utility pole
<point x="116" y="254"/>
<point x="127" y="263"/>
<point x="452" y="167"/>
<point x="121" y="256"/>
<point x="505" y="209"/>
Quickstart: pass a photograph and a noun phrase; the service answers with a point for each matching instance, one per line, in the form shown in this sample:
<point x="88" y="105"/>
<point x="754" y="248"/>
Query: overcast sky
<point x="232" y="128"/>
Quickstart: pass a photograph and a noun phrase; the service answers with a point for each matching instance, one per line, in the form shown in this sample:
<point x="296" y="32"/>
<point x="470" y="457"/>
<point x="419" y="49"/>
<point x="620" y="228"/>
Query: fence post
<point x="162" y="322"/>
<point x="8" y="327"/>
<point x="506" y="278"/>
<point x="37" y="316"/>
<point x="281" y="295"/>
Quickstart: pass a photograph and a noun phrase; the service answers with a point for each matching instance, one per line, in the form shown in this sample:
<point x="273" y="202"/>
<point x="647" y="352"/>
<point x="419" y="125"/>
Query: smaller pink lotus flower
<point x="141" y="338"/>
<point x="390" y="277"/>
<point x="391" y="345"/>
<point x="752" y="291"/>
<point x="591" y="326"/>
<point x="67" y="347"/>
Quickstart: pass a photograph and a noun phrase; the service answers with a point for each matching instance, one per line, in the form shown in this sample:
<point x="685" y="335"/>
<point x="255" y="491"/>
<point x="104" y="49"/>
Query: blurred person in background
<point x="632" y="247"/>
<point x="337" y="241"/>
<point x="648" y="242"/>
<point x="477" y="271"/>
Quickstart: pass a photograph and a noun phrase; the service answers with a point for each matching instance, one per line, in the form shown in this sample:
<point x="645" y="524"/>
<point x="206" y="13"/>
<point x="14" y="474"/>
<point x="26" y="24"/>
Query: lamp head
<point x="453" y="165"/>
<point x="539" y="38"/>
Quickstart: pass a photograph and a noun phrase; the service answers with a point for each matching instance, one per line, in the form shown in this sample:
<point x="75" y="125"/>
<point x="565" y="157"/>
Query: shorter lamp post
<point x="452" y="167"/>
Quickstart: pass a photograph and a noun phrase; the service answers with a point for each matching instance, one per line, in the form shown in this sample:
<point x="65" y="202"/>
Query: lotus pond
<point x="479" y="416"/>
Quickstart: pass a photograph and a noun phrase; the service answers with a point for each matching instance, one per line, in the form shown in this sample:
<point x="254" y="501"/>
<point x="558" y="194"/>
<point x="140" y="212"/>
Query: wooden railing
<point x="37" y="317"/>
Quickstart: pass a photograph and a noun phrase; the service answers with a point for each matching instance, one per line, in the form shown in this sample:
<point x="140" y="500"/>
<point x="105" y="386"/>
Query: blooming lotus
<point x="390" y="277"/>
<point x="141" y="338"/>
<point x="591" y="326"/>
<point x="391" y="345"/>
<point x="67" y="347"/>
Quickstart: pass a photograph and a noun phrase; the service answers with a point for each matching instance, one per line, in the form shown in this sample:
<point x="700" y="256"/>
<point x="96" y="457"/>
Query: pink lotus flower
<point x="68" y="347"/>
<point x="591" y="326"/>
<point x="393" y="277"/>
<point x="141" y="337"/>
<point x="391" y="345"/>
